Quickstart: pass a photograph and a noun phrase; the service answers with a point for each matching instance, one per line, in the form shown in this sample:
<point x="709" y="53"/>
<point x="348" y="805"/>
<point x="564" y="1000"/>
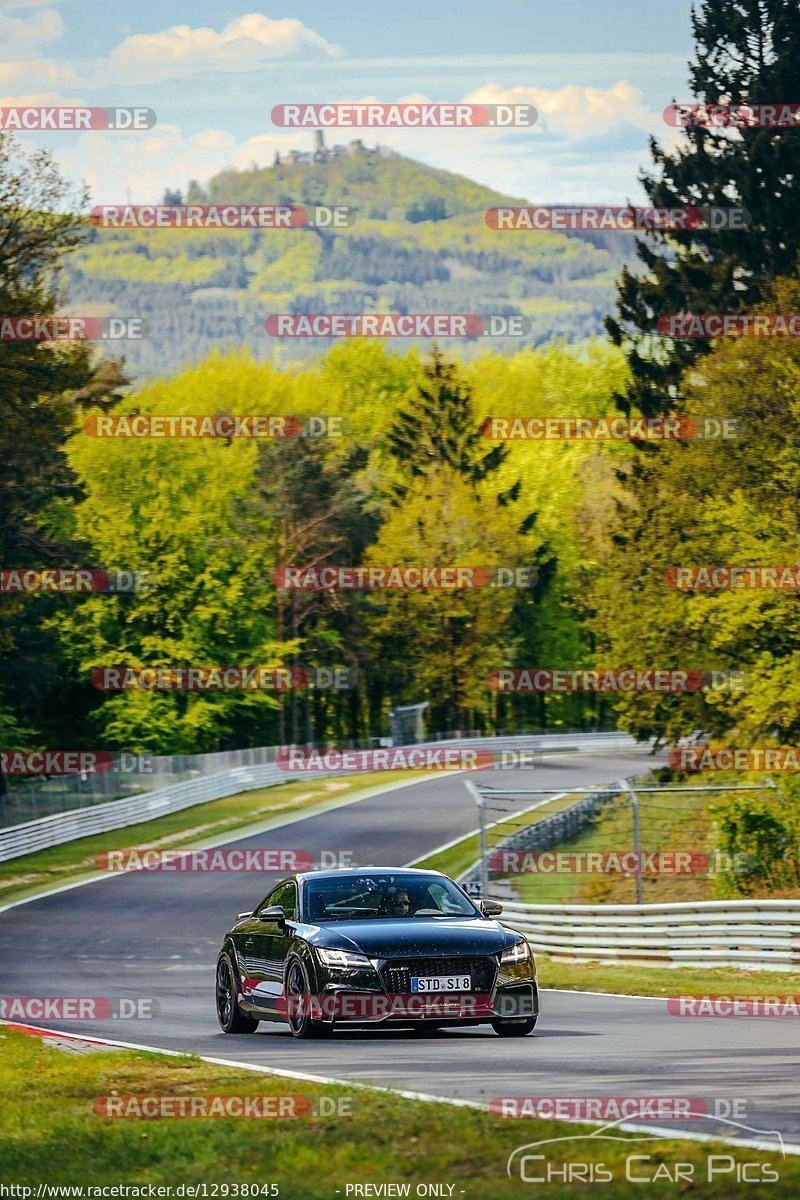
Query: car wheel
<point x="231" y="1020"/>
<point x="298" y="994"/>
<point x="514" y="1028"/>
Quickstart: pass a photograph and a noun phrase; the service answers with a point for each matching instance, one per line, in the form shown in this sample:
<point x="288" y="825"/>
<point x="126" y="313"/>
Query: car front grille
<point x="397" y="973"/>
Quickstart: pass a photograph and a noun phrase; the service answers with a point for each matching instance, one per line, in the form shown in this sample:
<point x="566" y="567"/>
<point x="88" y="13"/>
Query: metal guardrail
<point x="545" y="743"/>
<point x="749" y="934"/>
<point x="131" y="775"/>
<point x="102" y="818"/>
<point x="58" y="828"/>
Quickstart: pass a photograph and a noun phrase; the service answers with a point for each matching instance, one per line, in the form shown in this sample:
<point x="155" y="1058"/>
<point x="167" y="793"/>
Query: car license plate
<point x="441" y="983"/>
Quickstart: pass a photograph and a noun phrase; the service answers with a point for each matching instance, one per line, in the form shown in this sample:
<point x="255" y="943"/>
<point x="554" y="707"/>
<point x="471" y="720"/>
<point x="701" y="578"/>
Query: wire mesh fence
<point x="630" y="841"/>
<point x="128" y="775"/>
<point x="135" y="774"/>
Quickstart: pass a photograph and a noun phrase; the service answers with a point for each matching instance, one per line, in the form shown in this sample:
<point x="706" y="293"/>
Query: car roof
<point x="338" y="872"/>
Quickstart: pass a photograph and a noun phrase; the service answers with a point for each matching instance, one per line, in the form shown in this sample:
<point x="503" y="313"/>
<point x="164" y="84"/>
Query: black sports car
<point x="360" y="947"/>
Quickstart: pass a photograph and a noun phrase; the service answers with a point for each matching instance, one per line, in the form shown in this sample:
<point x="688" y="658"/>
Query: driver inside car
<point x="395" y="902"/>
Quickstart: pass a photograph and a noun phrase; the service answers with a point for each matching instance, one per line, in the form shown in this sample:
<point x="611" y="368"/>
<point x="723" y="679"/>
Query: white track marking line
<point x="616" y="995"/>
<point x="455" y="841"/>
<point x="253" y="830"/>
<point x="235" y="836"/>
<point x="424" y="1097"/>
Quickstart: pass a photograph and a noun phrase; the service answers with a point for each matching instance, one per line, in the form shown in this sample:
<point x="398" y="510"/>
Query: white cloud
<point x="575" y="110"/>
<point x="587" y="147"/>
<point x="588" y="144"/>
<point x="39" y="73"/>
<point x="249" y="43"/>
<point x="261" y="149"/>
<point x="572" y="112"/>
<point x="19" y="37"/>
<point x="40" y="100"/>
<point x="144" y="163"/>
<point x="16" y="5"/>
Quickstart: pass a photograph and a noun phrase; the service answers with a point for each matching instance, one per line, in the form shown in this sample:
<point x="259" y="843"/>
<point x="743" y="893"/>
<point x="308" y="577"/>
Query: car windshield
<point x="394" y="895"/>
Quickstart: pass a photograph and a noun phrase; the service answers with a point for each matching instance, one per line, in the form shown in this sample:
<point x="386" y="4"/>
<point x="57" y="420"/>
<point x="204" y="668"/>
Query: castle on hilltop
<point x="322" y="153"/>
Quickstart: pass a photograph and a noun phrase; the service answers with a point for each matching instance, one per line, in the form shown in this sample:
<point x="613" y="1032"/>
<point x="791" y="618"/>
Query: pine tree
<point x="43" y="391"/>
<point x="748" y="52"/>
<point x="438" y="429"/>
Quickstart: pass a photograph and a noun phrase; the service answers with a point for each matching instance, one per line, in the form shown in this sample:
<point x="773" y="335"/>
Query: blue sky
<point x="600" y="74"/>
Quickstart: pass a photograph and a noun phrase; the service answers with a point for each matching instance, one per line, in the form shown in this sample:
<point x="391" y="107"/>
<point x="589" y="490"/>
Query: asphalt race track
<point x="156" y="934"/>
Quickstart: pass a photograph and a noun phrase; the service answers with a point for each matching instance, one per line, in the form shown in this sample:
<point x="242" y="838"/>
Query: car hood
<point x="409" y="936"/>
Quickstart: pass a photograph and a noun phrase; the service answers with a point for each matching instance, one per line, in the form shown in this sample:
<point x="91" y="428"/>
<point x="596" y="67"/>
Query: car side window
<point x="265" y="903"/>
<point x="284" y="894"/>
<point x="288" y="898"/>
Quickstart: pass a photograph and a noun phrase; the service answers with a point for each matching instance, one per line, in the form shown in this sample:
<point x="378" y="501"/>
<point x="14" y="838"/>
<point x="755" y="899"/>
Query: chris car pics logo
<point x="578" y="1158"/>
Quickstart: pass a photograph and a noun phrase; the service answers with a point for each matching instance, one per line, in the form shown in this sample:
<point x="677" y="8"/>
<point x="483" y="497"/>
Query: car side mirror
<point x="275" y="912"/>
<point x="243" y="916"/>
<point x="491" y="908"/>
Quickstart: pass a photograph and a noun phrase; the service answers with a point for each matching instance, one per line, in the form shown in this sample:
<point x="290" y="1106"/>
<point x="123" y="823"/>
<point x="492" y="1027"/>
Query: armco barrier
<point x="749" y="934"/>
<point x="101" y="818"/>
<point x="116" y="814"/>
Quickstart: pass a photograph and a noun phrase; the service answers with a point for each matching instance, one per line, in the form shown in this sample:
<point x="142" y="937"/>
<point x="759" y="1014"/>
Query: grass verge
<point x="50" y="1133"/>
<point x="197" y="826"/>
<point x="664" y="981"/>
<point x="456" y="859"/>
<point x="463" y="854"/>
<point x="667" y="823"/>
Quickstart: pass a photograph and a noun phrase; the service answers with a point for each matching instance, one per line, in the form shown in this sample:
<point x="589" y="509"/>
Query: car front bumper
<point x="383" y="994"/>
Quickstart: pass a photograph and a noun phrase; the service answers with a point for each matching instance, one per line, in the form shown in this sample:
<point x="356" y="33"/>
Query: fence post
<point x="636" y="836"/>
<point x="478" y="798"/>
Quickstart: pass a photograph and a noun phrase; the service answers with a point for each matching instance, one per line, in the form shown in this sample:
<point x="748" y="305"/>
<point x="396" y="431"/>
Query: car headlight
<point x="342" y="958"/>
<point x="516" y="954"/>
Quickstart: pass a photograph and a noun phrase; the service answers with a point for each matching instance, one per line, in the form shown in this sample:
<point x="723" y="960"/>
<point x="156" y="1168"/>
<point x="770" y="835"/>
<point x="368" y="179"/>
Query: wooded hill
<point x="420" y="244"/>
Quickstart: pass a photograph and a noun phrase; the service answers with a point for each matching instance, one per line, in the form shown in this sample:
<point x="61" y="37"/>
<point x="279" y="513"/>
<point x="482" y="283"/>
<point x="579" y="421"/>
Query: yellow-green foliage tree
<point x="208" y="521"/>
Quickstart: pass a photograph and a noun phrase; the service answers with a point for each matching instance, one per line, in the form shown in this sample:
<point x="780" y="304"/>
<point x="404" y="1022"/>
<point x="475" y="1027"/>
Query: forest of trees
<point x="201" y="290"/>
